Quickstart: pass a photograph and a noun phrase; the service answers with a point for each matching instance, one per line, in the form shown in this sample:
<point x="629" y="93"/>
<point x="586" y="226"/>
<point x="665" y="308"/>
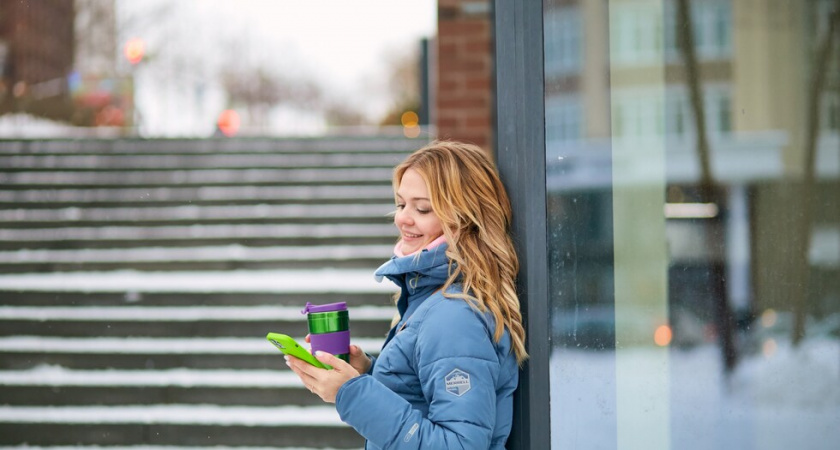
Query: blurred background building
<point x="133" y="69"/>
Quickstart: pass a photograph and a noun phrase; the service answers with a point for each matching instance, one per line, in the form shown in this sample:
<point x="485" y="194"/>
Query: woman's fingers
<point x="302" y="369"/>
<point x="324" y="383"/>
<point x="358" y="359"/>
<point x="334" y="361"/>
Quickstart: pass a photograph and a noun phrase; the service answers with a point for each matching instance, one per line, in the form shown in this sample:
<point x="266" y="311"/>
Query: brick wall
<point x="464" y="99"/>
<point x="38" y="37"/>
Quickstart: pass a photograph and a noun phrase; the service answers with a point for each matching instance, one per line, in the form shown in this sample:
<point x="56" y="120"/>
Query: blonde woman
<point x="448" y="369"/>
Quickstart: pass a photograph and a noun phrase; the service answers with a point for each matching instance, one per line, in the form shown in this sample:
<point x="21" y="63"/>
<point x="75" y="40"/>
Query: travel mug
<point x="329" y="328"/>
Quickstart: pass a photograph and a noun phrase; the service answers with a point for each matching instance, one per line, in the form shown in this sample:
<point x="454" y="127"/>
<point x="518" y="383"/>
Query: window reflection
<point x="693" y="173"/>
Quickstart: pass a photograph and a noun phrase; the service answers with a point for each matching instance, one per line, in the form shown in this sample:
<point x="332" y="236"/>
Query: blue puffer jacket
<point x="440" y="382"/>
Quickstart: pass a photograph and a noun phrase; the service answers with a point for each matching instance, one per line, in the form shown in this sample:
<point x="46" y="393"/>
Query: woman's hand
<point x="358" y="359"/>
<point x="321" y="382"/>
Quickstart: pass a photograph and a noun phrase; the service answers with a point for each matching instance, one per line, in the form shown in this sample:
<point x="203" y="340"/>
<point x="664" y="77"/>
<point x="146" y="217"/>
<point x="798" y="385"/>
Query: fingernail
<point x="318" y="353"/>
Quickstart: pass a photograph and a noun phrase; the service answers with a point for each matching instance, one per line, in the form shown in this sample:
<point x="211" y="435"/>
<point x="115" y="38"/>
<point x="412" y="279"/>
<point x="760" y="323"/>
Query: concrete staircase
<point x="138" y="279"/>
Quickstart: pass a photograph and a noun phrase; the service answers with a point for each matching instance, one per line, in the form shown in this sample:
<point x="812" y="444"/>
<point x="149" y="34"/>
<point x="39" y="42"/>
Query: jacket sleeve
<point x="458" y="368"/>
<point x="372" y="363"/>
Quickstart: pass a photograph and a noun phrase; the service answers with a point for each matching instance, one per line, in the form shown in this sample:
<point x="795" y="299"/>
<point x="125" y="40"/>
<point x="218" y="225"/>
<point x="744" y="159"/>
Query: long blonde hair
<point x="470" y="201"/>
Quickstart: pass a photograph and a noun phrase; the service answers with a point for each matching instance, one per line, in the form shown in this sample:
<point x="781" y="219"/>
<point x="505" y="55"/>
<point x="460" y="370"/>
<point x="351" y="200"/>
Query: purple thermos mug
<point x="329" y="328"/>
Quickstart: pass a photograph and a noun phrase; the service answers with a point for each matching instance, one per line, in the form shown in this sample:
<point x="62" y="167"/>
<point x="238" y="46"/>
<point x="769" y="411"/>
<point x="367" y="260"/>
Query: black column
<point x="520" y="155"/>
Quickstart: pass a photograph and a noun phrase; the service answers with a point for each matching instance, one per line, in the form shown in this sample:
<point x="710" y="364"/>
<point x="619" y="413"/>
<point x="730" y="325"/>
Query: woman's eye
<point x="400" y="206"/>
<point x="424" y="211"/>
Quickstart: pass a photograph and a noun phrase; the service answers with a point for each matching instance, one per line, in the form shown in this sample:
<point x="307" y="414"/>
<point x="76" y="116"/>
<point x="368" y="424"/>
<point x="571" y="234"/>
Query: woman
<point x="447" y="371"/>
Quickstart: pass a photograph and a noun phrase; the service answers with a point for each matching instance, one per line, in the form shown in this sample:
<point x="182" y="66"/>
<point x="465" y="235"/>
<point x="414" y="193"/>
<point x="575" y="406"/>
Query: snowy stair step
<point x="73" y="217"/>
<point x="191" y="258"/>
<point x="174" y="314"/>
<point x="51" y="385"/>
<point x="25" y="352"/>
<point x="178" y="425"/>
<point x="208" y="253"/>
<point x="195" y="177"/>
<point x="74" y="196"/>
<point x="238" y="160"/>
<point x="255" y="235"/>
<point x="58" y="297"/>
<point x="336" y="144"/>
<point x="174" y="321"/>
<point x="157" y="447"/>
<point x="192" y="288"/>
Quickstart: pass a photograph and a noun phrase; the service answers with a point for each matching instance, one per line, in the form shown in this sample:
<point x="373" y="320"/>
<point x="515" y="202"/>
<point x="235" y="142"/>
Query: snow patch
<point x="175" y="414"/>
<point x="250" y="281"/>
<point x="157" y="346"/>
<point x="179" y="314"/>
<point x="56" y="376"/>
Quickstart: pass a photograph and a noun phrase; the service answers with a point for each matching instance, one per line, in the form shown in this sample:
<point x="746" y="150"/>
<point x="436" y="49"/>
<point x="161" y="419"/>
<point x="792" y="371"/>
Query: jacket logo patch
<point x="457" y="382"/>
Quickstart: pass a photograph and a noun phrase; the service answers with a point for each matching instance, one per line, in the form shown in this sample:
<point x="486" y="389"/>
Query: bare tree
<point x="96" y="37"/>
<point x="724" y="318"/>
<point x="822" y="59"/>
<point x="403" y="85"/>
<point x="258" y="89"/>
<point x="342" y="114"/>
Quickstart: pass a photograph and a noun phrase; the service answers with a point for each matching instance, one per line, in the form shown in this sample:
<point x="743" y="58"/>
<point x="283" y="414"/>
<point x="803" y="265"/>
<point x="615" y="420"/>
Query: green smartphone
<point x="288" y="346"/>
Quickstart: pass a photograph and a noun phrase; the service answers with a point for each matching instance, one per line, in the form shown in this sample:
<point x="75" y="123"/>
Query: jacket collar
<point x="418" y="275"/>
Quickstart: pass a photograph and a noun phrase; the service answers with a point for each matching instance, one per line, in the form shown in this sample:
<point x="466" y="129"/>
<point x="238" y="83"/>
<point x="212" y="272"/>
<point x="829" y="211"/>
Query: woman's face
<point x="415" y="219"/>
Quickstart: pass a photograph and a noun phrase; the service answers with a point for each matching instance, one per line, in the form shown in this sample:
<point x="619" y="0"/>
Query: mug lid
<point x="310" y="308"/>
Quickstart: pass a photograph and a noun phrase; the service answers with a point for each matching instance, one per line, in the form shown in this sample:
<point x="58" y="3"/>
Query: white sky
<point x="344" y="45"/>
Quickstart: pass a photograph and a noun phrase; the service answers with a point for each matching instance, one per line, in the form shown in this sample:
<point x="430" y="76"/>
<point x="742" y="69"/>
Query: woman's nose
<point x="401" y="218"/>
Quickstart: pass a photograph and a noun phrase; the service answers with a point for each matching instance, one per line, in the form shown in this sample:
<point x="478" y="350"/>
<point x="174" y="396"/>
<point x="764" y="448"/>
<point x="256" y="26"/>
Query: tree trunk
<point x="817" y="85"/>
<point x="724" y="319"/>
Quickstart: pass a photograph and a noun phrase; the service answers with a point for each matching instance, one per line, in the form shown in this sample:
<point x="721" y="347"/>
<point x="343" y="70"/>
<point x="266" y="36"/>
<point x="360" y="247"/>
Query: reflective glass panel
<point x="693" y="178"/>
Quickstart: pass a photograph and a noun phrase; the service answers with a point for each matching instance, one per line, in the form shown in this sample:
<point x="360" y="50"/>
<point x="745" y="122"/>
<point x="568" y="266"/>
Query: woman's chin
<point x="408" y="249"/>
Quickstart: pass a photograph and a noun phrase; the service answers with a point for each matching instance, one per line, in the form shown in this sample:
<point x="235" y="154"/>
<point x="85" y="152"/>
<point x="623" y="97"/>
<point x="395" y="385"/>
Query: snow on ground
<point x="206" y="253"/>
<point x="784" y="400"/>
<point x="175" y="414"/>
<point x="152" y="447"/>
<point x="28" y="126"/>
<point x="250" y="281"/>
<point x="56" y="376"/>
<point x="185" y="233"/>
<point x="190" y="213"/>
<point x="157" y="346"/>
<point x="179" y="314"/>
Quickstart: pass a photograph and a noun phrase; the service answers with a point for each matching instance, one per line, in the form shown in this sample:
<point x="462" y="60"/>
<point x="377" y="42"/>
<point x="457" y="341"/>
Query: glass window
<point x="563" y="49"/>
<point x="831" y="114"/>
<point x="694" y="239"/>
<point x="564" y="119"/>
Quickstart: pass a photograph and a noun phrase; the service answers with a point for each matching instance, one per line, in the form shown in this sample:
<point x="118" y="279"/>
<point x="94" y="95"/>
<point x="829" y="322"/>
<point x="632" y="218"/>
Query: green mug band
<point x="328" y="322"/>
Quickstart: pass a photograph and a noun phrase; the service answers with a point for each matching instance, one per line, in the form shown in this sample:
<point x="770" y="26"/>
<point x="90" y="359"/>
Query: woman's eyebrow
<point x="412" y="198"/>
